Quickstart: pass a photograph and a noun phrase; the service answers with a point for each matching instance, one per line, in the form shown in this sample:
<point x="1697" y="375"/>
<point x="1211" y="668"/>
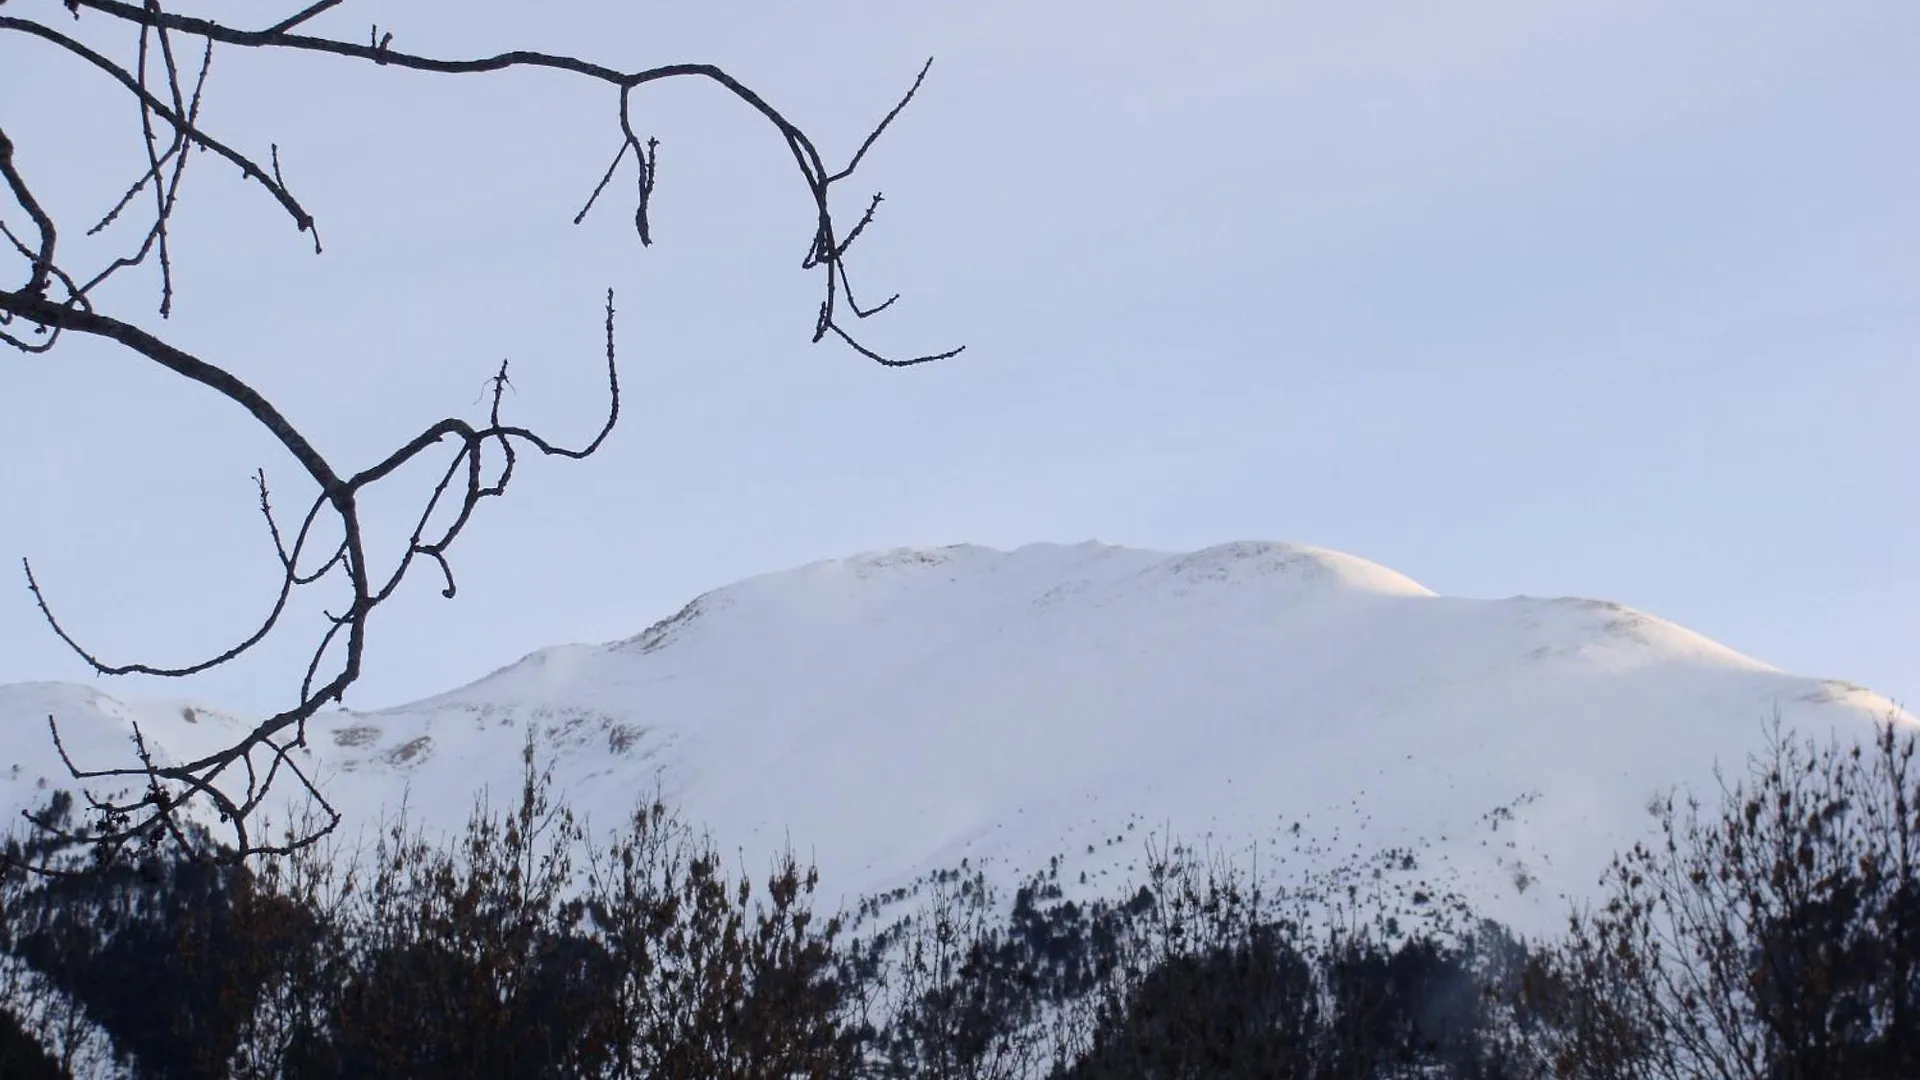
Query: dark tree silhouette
<point x="1777" y="939"/>
<point x="523" y="947"/>
<point x="166" y="75"/>
<point x="21" y="1056"/>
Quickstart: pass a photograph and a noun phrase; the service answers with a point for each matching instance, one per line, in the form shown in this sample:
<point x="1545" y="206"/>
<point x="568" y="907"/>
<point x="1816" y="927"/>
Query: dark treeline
<point x="1774" y="936"/>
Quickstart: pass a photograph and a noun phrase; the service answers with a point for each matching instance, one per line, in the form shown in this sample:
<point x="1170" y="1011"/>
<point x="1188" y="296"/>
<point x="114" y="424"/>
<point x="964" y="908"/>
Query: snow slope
<point x="896" y="712"/>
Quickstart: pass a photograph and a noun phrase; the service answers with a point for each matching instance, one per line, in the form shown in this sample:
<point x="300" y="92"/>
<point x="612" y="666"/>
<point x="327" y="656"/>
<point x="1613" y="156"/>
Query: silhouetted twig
<point x="51" y="301"/>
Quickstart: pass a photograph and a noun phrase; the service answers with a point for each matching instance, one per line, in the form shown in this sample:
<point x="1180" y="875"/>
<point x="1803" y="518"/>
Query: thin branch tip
<point x="477" y="458"/>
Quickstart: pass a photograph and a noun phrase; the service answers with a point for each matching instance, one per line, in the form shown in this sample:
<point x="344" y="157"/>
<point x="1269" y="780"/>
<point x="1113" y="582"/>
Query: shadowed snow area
<point x="896" y="712"/>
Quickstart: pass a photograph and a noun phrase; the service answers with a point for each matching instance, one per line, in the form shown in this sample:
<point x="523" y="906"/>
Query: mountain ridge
<point x="895" y="712"/>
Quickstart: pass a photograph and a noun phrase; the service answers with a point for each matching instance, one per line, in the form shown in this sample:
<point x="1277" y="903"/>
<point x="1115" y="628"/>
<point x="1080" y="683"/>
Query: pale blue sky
<point x="1608" y="299"/>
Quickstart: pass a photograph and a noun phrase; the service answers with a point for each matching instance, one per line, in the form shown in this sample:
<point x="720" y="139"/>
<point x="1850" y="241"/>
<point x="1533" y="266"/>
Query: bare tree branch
<point x="51" y="301"/>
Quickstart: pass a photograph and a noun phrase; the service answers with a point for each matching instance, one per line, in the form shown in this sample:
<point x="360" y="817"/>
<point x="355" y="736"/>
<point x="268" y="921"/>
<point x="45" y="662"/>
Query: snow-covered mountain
<point x="898" y="712"/>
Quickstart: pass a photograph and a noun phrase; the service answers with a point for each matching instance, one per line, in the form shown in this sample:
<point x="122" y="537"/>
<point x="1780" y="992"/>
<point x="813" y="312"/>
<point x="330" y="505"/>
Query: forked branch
<point x="51" y="300"/>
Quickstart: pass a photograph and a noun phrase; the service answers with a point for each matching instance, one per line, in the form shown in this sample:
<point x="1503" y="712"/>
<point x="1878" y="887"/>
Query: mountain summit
<point x="897" y="712"/>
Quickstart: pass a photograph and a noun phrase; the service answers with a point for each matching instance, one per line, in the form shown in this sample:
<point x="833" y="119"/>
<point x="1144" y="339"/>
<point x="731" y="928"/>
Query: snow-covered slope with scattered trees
<point x="898" y="712"/>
